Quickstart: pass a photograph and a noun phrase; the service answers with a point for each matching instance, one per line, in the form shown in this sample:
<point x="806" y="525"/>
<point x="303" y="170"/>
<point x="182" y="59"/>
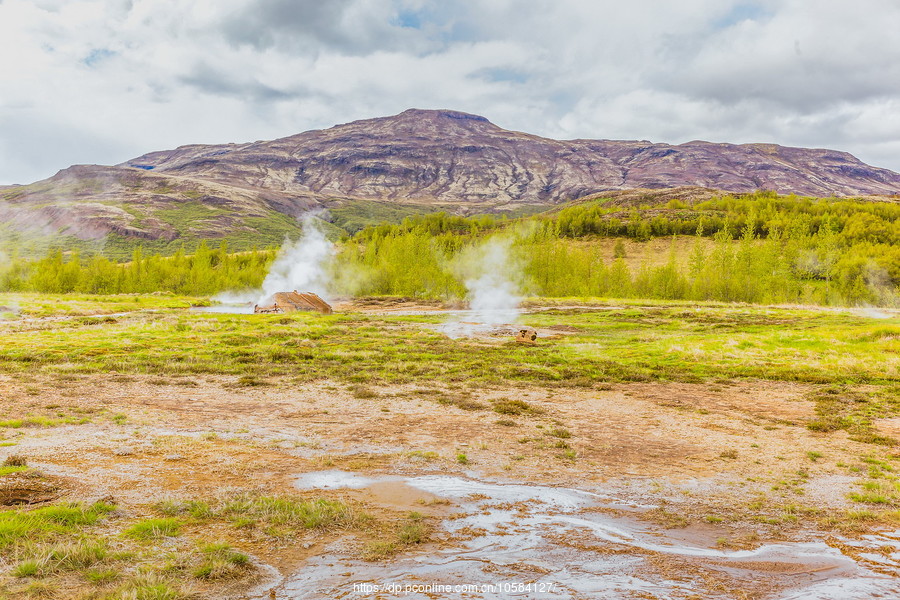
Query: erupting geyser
<point x="492" y="292"/>
<point x="300" y="265"/>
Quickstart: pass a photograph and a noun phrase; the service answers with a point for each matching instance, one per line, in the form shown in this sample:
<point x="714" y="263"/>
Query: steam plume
<point x="300" y="265"/>
<point x="489" y="275"/>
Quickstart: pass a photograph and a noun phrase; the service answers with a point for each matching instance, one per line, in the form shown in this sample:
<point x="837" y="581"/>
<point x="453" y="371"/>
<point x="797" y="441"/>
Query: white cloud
<point x="105" y="80"/>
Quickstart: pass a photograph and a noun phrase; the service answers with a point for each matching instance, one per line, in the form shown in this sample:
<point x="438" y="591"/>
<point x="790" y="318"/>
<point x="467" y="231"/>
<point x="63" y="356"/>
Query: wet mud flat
<point x="516" y="540"/>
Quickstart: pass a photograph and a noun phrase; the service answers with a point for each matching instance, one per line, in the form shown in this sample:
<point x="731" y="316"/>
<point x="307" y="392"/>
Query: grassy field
<point x="596" y="344"/>
<point x="14" y="307"/>
<point x="845" y="364"/>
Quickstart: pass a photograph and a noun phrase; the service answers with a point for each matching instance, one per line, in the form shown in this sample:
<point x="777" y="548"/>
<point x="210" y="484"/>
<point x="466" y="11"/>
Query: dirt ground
<point x="700" y="453"/>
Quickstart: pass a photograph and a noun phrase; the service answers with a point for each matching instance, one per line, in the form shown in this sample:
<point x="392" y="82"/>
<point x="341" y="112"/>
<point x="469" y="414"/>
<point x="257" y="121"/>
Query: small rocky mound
<point x="26" y="488"/>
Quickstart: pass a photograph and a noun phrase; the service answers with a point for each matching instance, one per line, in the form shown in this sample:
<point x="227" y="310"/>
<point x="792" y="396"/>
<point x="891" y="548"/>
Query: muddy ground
<point x="726" y="468"/>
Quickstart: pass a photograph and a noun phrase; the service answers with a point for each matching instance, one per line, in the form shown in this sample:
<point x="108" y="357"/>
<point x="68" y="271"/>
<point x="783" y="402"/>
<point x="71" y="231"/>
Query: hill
<point x="385" y="169"/>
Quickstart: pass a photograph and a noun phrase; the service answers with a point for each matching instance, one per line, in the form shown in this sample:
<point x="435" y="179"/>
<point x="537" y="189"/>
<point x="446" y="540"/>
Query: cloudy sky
<point x="101" y="81"/>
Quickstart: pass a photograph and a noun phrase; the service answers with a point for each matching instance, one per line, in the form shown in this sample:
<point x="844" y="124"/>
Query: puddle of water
<point x="559" y="541"/>
<point x="332" y="480"/>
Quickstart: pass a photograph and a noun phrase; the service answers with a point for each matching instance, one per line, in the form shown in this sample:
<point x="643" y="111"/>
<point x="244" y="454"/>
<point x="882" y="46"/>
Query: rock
<point x="23" y="488"/>
<point x="123" y="451"/>
<point x="173" y="457"/>
<point x="526" y="335"/>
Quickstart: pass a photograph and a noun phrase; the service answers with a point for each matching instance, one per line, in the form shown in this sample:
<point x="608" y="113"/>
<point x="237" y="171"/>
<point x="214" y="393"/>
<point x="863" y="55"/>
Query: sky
<point x="102" y="81"/>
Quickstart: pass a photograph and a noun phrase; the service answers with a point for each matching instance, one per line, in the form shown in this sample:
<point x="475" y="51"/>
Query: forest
<point x="757" y="248"/>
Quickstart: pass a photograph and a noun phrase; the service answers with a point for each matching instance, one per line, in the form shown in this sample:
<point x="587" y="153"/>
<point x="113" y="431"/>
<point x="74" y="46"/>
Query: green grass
<point x="50" y="544"/>
<point x="148" y="587"/>
<point x="353" y="215"/>
<point x="560" y="432"/>
<point x="878" y="491"/>
<point x="154" y="528"/>
<point x="7" y="470"/>
<point x="841" y="407"/>
<point x="274" y="513"/>
<point x="27" y="568"/>
<point x="74" y="305"/>
<point x="294" y="512"/>
<point x="188" y="215"/>
<point x="410" y="531"/>
<point x="42" y="421"/>
<point x="652" y="341"/>
<point x="220" y="561"/>
<point x="632" y="344"/>
<point x="102" y="576"/>
<point x="20" y="525"/>
<point x="504" y="406"/>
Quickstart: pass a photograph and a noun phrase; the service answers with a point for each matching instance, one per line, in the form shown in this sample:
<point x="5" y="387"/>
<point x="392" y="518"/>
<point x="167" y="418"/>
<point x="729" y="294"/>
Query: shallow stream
<point x="531" y="541"/>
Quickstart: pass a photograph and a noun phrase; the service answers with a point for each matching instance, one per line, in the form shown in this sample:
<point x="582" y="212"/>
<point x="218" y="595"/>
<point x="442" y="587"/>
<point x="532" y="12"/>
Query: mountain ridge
<point x="451" y="156"/>
<point x="415" y="161"/>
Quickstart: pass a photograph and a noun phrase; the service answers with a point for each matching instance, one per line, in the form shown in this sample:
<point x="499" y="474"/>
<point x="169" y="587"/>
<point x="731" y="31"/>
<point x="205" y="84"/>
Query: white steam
<point x="491" y="280"/>
<point x="878" y="281"/>
<point x="300" y="265"/>
<point x="233" y="297"/>
<point x="493" y="296"/>
<point x="871" y="313"/>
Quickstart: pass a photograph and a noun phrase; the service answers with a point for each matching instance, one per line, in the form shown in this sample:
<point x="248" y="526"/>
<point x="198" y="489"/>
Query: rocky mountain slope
<point x="418" y="160"/>
<point x="450" y="156"/>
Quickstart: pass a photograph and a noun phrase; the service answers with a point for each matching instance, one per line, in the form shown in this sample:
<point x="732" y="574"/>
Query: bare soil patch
<point x="701" y="451"/>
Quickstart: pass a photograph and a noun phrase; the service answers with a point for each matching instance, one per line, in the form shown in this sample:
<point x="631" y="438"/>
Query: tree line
<point x="758" y="247"/>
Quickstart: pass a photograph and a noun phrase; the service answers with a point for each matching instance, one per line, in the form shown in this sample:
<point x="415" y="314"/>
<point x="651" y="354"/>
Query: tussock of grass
<point x="40" y="589"/>
<point x="195" y="508"/>
<point x="560" y="432"/>
<point x="220" y="562"/>
<point x="270" y="511"/>
<point x="410" y="531"/>
<point x="148" y="587"/>
<point x="154" y="528"/>
<point x="666" y="518"/>
<point x="460" y="401"/>
<point x="861" y="520"/>
<point x="363" y="392"/>
<point x="878" y="492"/>
<point x="102" y="576"/>
<point x="73" y="556"/>
<point x="505" y="406"/>
<point x="31" y="525"/>
<point x="427" y="455"/>
<point x="251" y="381"/>
<point x="15" y="460"/>
<point x="27" y="568"/>
<point x="309" y="514"/>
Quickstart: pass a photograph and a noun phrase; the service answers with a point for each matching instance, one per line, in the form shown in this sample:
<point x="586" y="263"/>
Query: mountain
<point x="447" y="156"/>
<point x="417" y="161"/>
